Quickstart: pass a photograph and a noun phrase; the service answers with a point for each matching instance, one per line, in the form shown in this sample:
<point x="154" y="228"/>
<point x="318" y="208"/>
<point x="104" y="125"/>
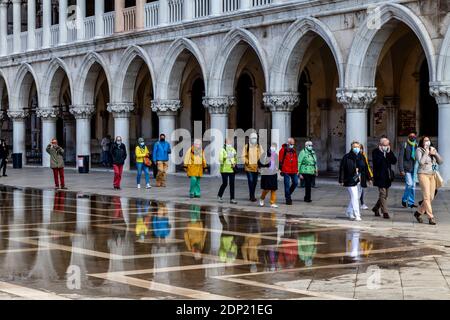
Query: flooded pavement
<point x="66" y="245"/>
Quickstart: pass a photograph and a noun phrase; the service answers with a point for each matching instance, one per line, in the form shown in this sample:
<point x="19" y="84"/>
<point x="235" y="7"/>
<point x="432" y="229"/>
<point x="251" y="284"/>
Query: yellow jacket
<point x="194" y="163"/>
<point x="141" y="153"/>
<point x="251" y="156"/>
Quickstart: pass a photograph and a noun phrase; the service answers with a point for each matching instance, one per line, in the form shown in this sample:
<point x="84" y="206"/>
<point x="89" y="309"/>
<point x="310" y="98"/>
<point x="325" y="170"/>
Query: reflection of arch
<point x="84" y="90"/>
<point x="286" y="64"/>
<point x="22" y="84"/>
<point x="443" y="67"/>
<point x="52" y="86"/>
<point x="235" y="43"/>
<point x="128" y="70"/>
<point x="169" y="83"/>
<point x="368" y="43"/>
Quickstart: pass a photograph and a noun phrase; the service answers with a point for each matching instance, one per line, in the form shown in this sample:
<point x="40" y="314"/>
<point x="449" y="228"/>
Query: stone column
<point x="140" y="14"/>
<point x="119" y="5"/>
<point x="3" y="28"/>
<point x="163" y="12"/>
<point x="99" y="11"/>
<point x="441" y="92"/>
<point x="356" y="102"/>
<point x="121" y="113"/>
<point x="324" y="106"/>
<point x="18" y="118"/>
<point x="167" y="111"/>
<point x="219" y="109"/>
<point x="46" y="23"/>
<point x="281" y="106"/>
<point x="216" y="8"/>
<point x="31" y="20"/>
<point x="48" y="117"/>
<point x="81" y="14"/>
<point x="17" y="28"/>
<point x="392" y="103"/>
<point x="245" y="4"/>
<point x="82" y="114"/>
<point x="63" y="21"/>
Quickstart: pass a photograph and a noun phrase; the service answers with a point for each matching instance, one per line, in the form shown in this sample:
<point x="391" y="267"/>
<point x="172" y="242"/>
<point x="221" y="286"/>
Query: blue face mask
<point x="142" y="144"/>
<point x="356" y="150"/>
<point x="309" y="148"/>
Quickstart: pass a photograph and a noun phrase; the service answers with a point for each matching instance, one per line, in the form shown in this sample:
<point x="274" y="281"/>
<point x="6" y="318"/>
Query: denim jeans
<point x="252" y="178"/>
<point x="410" y="189"/>
<point x="140" y="166"/>
<point x="288" y="187"/>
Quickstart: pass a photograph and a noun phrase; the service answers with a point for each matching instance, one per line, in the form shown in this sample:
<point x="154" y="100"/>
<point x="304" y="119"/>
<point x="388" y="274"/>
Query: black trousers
<point x="3" y="165"/>
<point x="308" y="184"/>
<point x="225" y="178"/>
<point x="252" y="178"/>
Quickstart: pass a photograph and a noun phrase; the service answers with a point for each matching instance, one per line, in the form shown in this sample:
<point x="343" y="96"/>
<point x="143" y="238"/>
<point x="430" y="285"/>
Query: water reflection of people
<point x="287" y="249"/>
<point x="142" y="219"/>
<point x="357" y="247"/>
<point x="307" y="248"/>
<point x="228" y="248"/>
<point x="251" y="243"/>
<point x="160" y="223"/>
<point x="195" y="235"/>
<point x="58" y="205"/>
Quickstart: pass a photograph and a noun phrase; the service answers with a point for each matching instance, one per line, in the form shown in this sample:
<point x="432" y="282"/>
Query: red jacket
<point x="288" y="160"/>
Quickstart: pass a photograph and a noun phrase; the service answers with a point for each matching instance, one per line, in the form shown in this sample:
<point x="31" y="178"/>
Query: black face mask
<point x="162" y="139"/>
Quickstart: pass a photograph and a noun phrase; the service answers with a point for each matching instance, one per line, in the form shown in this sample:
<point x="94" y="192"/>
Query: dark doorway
<point x="429" y="112"/>
<point x="197" y="109"/>
<point x="299" y="119"/>
<point x="244" y="100"/>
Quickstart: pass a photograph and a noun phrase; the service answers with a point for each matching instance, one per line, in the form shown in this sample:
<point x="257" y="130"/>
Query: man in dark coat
<point x="383" y="158"/>
<point x="118" y="156"/>
<point x="4" y="154"/>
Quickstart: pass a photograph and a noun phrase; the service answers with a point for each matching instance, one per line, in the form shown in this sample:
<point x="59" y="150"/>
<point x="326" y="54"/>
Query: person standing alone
<point x="57" y="163"/>
<point x="161" y="152"/>
<point x="4" y="154"/>
<point x="118" y="155"/>
<point x="406" y="162"/>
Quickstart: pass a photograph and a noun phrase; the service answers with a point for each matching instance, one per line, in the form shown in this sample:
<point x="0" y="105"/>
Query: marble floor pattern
<point x="98" y="245"/>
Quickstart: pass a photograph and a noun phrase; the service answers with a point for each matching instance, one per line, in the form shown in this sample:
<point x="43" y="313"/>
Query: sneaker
<point x="220" y="199"/>
<point x="364" y="207"/>
<point x="63" y="188"/>
<point x="386" y="215"/>
<point x="376" y="211"/>
<point x="253" y="199"/>
<point x="191" y="196"/>
<point x="412" y="206"/>
<point x="289" y="202"/>
<point x="148" y="186"/>
<point x="418" y="217"/>
<point x="404" y="204"/>
<point x="261" y="203"/>
<point x="358" y="219"/>
<point x="138" y="186"/>
<point x="274" y="206"/>
<point x="350" y="216"/>
<point x="233" y="201"/>
<point x="5" y="175"/>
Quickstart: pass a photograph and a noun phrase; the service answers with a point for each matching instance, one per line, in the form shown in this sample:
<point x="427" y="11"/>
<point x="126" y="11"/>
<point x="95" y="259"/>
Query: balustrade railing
<point x="129" y="18"/>
<point x="231" y="5"/>
<point x="108" y="23"/>
<point x="89" y="27"/>
<point x="175" y="10"/>
<point x="38" y="35"/>
<point x="202" y="8"/>
<point x="258" y="3"/>
<point x="151" y="14"/>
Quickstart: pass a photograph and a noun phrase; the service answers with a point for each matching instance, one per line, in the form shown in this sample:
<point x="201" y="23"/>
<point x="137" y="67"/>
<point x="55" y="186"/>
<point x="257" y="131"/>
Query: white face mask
<point x="253" y="140"/>
<point x="427" y="144"/>
<point x="273" y="149"/>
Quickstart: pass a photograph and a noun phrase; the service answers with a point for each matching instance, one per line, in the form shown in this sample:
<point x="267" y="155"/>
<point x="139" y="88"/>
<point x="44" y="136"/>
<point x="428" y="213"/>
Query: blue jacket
<point x="161" y="151"/>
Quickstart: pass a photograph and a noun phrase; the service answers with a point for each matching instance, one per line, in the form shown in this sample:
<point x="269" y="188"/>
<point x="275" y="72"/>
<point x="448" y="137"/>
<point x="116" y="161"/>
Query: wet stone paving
<point x="69" y="245"/>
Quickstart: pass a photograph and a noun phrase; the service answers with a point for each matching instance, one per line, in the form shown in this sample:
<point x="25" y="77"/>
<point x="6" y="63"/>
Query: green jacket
<point x="56" y="156"/>
<point x="227" y="159"/>
<point x="307" y="162"/>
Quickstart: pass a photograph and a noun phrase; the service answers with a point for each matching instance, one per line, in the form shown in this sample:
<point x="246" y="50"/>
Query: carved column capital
<point x="47" y="113"/>
<point x="356" y="98"/>
<point x="441" y="92"/>
<point x="121" y="110"/>
<point x="82" y="111"/>
<point x="18" y="115"/>
<point x="219" y="105"/>
<point x="281" y="102"/>
<point x="166" y="106"/>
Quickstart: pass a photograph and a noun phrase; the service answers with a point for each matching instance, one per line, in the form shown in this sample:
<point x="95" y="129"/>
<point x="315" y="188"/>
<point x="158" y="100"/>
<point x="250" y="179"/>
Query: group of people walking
<point x="417" y="162"/>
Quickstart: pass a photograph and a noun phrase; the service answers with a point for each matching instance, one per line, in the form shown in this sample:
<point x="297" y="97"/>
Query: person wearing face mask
<point x="406" y="161"/>
<point x="57" y="163"/>
<point x="118" y="156"/>
<point x="428" y="160"/>
<point x="289" y="168"/>
<point x="251" y="154"/>
<point x="269" y="176"/>
<point x="142" y="153"/>
<point x="307" y="168"/>
<point x="161" y="152"/>
<point x="228" y="161"/>
<point x="383" y="159"/>
<point x="366" y="179"/>
<point x="194" y="165"/>
<point x="351" y="173"/>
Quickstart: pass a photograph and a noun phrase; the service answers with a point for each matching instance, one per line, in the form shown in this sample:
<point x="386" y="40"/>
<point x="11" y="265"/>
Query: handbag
<point x="439" y="180"/>
<point x="147" y="162"/>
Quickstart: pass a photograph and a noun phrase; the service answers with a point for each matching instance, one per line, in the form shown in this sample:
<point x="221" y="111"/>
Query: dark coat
<point x="118" y="153"/>
<point x="4" y="152"/>
<point x="269" y="178"/>
<point x="383" y="175"/>
<point x="347" y="170"/>
<point x="405" y="159"/>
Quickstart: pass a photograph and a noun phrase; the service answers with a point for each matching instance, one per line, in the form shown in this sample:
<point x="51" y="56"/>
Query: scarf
<point x="413" y="148"/>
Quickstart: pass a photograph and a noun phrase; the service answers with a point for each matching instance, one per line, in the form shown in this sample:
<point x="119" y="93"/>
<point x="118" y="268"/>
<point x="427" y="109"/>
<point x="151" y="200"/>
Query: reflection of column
<point x="48" y="117"/>
<point x="356" y="102"/>
<point x="167" y="111"/>
<point x="31" y="34"/>
<point x="3" y="28"/>
<point x="281" y="105"/>
<point x="392" y="103"/>
<point x="63" y="21"/>
<point x="119" y="5"/>
<point x="219" y="109"/>
<point x="18" y="118"/>
<point x="442" y="95"/>
<point x="46" y="23"/>
<point x="17" y="25"/>
<point x="121" y="113"/>
<point x="324" y="106"/>
<point x="82" y="114"/>
<point x="99" y="11"/>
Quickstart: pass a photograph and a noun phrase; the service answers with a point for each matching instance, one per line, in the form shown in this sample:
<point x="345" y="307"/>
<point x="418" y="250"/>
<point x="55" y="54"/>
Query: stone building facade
<point x="330" y="72"/>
